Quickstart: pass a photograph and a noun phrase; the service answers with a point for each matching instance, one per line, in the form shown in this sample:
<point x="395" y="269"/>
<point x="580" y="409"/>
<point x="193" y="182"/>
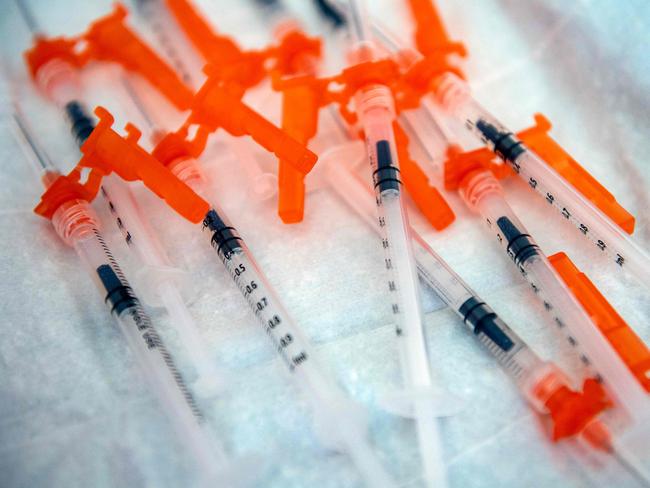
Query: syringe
<point x="75" y="222"/>
<point x="341" y="422"/>
<point x="541" y="383"/>
<point x="374" y="106"/>
<point x="59" y="81"/>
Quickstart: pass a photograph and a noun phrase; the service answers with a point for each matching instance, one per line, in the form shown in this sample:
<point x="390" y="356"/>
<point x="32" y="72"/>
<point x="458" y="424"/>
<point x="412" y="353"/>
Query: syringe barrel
<point x="394" y="230"/>
<point x="406" y="307"/>
<point x="77" y="225"/>
<point x="289" y="341"/>
<point x="438" y="275"/>
<point x="482" y="192"/>
<point x="160" y="279"/>
<point x="374" y="108"/>
<point x="167" y="382"/>
<point x="392" y="226"/>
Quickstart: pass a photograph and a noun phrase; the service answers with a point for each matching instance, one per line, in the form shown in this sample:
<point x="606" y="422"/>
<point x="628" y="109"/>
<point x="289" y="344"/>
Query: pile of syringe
<point x="359" y="167"/>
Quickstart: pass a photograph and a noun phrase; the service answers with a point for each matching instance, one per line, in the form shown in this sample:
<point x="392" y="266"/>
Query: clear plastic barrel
<point x="160" y="280"/>
<point x="76" y="224"/>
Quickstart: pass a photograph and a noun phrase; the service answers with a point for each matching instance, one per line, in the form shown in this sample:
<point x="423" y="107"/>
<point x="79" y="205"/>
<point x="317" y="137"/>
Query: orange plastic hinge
<point x="297" y="53"/>
<point x="106" y="151"/>
<point x="300" y="106"/>
<point x="64" y="189"/>
<point x="240" y="74"/>
<point x="216" y="106"/>
<point x="538" y="140"/>
<point x="459" y="165"/>
<point x="108" y="39"/>
<point x="571" y="411"/>
<point x="302" y="98"/>
<point x="45" y="50"/>
<point x="417" y="81"/>
<point x="383" y="72"/>
<point x="626" y="343"/>
<point x="426" y="197"/>
<point x="175" y="146"/>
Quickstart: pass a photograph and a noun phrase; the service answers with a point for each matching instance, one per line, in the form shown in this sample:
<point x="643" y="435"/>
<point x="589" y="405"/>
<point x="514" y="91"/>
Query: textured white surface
<point x="74" y="411"/>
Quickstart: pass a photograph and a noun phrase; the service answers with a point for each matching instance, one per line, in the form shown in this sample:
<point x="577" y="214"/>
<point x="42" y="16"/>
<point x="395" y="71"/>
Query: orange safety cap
<point x="538" y="140"/>
<point x="108" y="39"/>
<point x="211" y="46"/>
<point x="216" y="106"/>
<point x="64" y="189"/>
<point x="572" y="411"/>
<point x="426" y="197"/>
<point x="619" y="334"/>
<point x="175" y="146"/>
<point x="431" y="36"/>
<point x="300" y="106"/>
<point x="459" y="165"/>
<point x="45" y="50"/>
